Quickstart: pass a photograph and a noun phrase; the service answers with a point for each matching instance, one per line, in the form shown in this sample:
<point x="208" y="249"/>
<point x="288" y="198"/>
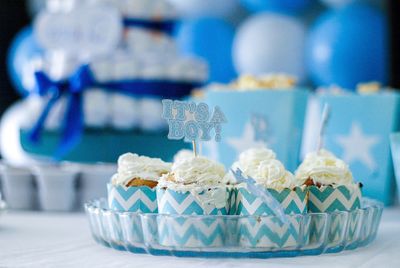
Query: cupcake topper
<point x="192" y="121"/>
<point x="324" y="121"/>
<point x="264" y="195"/>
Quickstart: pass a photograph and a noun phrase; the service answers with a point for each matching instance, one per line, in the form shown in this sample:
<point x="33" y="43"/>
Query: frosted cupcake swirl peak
<point x="272" y="174"/>
<point x="194" y="172"/>
<point x="324" y="168"/>
<point x="131" y="166"/>
<point x="250" y="159"/>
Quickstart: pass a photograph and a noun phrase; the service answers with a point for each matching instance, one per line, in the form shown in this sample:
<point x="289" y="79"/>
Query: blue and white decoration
<point x="269" y="232"/>
<point x="256" y="133"/>
<point x="191" y="121"/>
<point x="358" y="132"/>
<point x="187" y="231"/>
<point x="186" y="203"/>
<point x="134" y="199"/>
<point x="180" y="231"/>
<point x="272" y="118"/>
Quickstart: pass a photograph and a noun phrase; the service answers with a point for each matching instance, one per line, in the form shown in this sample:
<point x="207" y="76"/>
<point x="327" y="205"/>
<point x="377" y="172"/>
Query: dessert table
<point x="40" y="239"/>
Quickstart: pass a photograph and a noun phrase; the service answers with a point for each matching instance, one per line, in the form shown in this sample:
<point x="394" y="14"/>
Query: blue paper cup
<point x="133" y="198"/>
<point x="395" y="146"/>
<point x="263" y="229"/>
<point x="181" y="230"/>
<point x="335" y="200"/>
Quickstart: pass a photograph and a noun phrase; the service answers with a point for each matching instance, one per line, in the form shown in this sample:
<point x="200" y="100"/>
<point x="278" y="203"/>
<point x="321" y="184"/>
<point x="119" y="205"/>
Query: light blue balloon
<point x="270" y="43"/>
<point x="284" y="6"/>
<point x="348" y="46"/>
<point x="210" y="39"/>
<point x="197" y="8"/>
<point x="23" y="49"/>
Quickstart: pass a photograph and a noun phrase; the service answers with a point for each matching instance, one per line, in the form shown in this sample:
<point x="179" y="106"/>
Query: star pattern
<point x="357" y="146"/>
<point x="246" y="141"/>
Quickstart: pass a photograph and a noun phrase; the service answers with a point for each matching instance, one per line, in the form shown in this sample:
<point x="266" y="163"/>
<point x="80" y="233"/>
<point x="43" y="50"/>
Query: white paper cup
<point x="94" y="179"/>
<point x="56" y="185"/>
<point x="18" y="187"/>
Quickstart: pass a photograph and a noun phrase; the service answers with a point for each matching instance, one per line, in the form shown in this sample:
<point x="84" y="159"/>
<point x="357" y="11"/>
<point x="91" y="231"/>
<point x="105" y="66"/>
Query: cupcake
<point x="195" y="186"/>
<point x="198" y="179"/>
<point x="332" y="190"/>
<point x="133" y="187"/>
<point x="330" y="183"/>
<point x="264" y="230"/>
<point x="268" y="172"/>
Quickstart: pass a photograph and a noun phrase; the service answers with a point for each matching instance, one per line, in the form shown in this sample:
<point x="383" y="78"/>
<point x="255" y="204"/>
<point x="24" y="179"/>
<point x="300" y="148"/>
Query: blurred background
<point x="150" y="50"/>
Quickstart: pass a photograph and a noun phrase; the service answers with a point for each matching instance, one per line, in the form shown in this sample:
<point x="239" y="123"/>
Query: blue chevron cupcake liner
<point x="132" y="199"/>
<point x="330" y="199"/>
<point x="293" y="201"/>
<point x="190" y="232"/>
<point x="177" y="231"/>
<point x="269" y="232"/>
<point x="334" y="200"/>
<point x="185" y="203"/>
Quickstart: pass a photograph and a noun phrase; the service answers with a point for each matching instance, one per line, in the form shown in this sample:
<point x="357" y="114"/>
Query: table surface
<point x="39" y="239"/>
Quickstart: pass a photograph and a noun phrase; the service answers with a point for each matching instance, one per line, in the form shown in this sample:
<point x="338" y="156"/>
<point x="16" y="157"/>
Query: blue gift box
<point x="358" y="132"/>
<point x="272" y="118"/>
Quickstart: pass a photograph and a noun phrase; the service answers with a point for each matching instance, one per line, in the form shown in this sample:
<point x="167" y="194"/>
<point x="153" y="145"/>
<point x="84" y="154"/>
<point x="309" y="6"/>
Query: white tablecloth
<point x="38" y="239"/>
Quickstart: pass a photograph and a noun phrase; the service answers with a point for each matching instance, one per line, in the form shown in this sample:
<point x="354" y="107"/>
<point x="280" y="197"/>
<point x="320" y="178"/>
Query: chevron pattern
<point x="132" y="225"/>
<point x="133" y="199"/>
<point x="354" y="225"/>
<point x="293" y="202"/>
<point x="184" y="203"/>
<point x="191" y="232"/>
<point x="330" y="199"/>
<point x="269" y="232"/>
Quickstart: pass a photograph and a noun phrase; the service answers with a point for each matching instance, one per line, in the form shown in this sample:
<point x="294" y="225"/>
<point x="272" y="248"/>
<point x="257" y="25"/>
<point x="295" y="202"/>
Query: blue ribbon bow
<point x="73" y="121"/>
<point x="73" y="87"/>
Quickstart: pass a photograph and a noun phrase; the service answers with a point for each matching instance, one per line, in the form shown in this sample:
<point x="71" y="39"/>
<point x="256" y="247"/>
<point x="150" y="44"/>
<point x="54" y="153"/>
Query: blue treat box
<point x="358" y="132"/>
<point x="273" y="118"/>
<point x="395" y="145"/>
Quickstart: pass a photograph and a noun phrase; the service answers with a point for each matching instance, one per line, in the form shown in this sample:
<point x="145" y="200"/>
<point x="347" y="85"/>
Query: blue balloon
<point x="210" y="39"/>
<point x="284" y="6"/>
<point x="23" y="49"/>
<point x="348" y="46"/>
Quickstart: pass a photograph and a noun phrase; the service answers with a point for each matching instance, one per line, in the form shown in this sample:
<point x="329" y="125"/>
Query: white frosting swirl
<point x="183" y="154"/>
<point x="272" y="174"/>
<point x="325" y="168"/>
<point x="202" y="177"/>
<point x="134" y="166"/>
<point x="194" y="172"/>
<point x="250" y="159"/>
<point x="261" y="164"/>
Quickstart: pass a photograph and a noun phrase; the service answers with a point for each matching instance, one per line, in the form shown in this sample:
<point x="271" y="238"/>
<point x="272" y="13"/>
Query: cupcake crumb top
<point x="132" y="166"/>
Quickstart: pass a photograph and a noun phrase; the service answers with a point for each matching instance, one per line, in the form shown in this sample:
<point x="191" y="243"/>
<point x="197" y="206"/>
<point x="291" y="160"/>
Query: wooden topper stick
<point x="324" y="121"/>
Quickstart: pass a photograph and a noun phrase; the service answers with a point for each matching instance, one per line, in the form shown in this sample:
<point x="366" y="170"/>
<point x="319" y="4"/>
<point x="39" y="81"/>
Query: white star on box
<point x="246" y="141"/>
<point x="357" y="146"/>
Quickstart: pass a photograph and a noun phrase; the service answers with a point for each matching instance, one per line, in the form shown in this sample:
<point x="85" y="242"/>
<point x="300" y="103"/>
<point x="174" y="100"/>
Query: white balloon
<point x="268" y="43"/>
<point x="194" y="8"/>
